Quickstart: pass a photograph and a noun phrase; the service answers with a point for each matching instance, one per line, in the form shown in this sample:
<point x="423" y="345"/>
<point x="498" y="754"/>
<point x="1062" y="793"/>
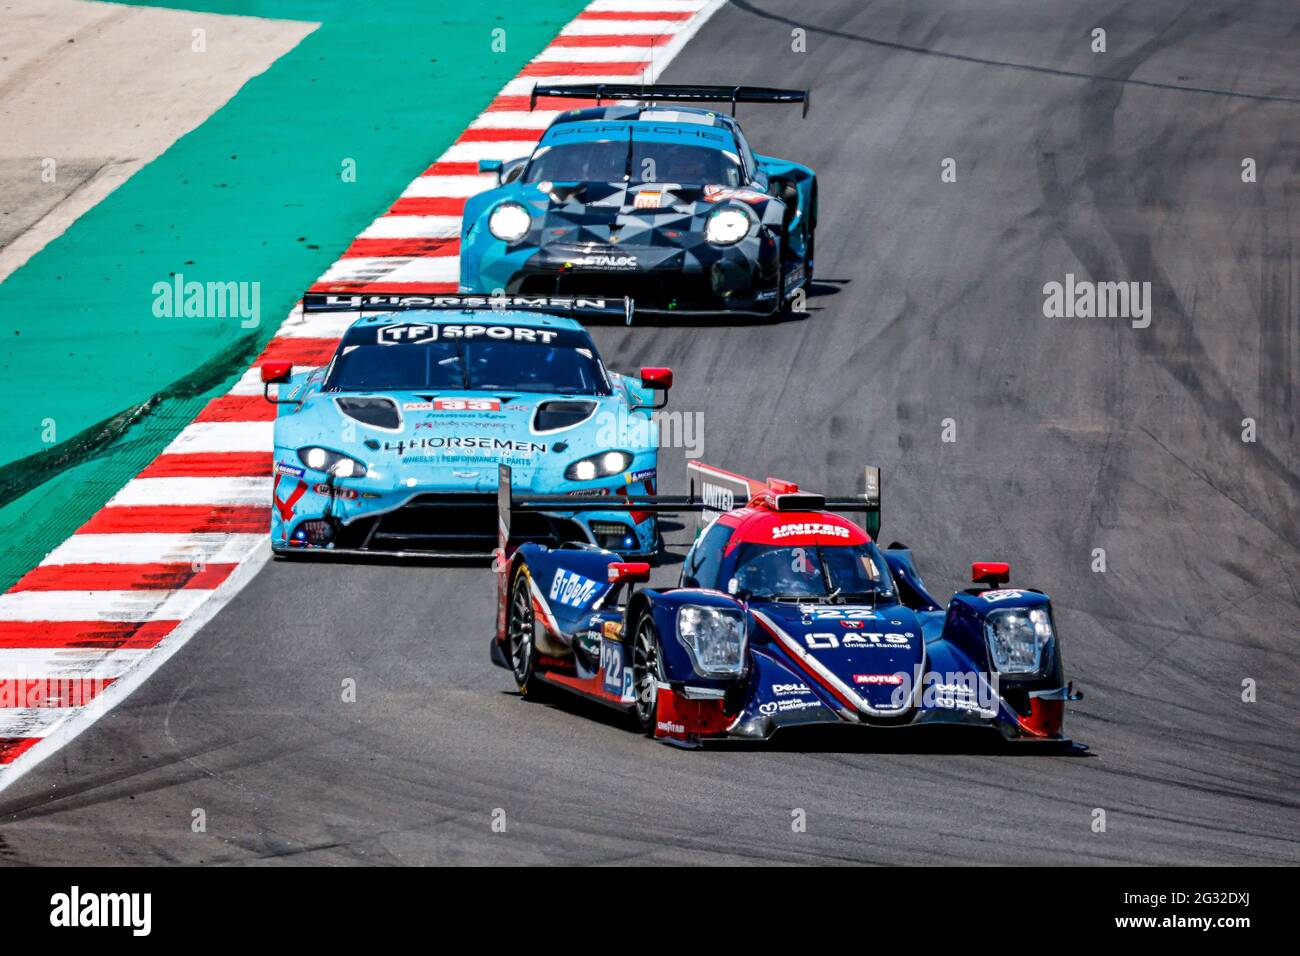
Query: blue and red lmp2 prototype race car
<point x="787" y="614"/>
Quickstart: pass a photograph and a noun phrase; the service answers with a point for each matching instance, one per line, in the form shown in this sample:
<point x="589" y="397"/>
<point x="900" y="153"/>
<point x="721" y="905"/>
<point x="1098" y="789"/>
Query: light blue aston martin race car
<point x="393" y="447"/>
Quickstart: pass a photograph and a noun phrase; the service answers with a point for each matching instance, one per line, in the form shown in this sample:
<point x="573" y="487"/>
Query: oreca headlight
<point x="332" y="462"/>
<point x="598" y="466"/>
<point x="727" y="226"/>
<point x="1018" y="638"/>
<point x="715" y="639"/>
<point x="509" y="222"/>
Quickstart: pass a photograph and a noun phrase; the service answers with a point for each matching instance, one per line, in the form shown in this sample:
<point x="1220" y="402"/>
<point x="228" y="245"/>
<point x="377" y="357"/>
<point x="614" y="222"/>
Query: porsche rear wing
<point x="665" y="92"/>
<point x="568" y="305"/>
<point x="712" y="492"/>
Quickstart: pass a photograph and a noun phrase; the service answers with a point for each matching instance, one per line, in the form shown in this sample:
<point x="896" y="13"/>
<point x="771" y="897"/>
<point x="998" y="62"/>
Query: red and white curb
<point x="110" y="605"/>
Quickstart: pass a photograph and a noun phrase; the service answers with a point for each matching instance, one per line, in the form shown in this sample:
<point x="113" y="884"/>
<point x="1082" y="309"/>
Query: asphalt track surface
<point x="1071" y="435"/>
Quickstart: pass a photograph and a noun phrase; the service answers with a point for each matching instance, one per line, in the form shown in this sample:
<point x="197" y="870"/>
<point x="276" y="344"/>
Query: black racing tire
<point x="645" y="674"/>
<point x="521" y="637"/>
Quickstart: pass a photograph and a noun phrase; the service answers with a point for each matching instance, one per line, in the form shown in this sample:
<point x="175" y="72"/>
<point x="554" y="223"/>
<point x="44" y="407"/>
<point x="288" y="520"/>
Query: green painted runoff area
<point x="255" y="194"/>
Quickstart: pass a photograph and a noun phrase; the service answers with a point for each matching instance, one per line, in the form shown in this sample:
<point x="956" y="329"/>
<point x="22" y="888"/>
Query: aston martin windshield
<point x="609" y="161"/>
<point x="822" y="572"/>
<point x="418" y="357"/>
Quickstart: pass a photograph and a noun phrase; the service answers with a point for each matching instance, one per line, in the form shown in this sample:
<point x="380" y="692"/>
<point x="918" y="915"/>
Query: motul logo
<point x="891" y="680"/>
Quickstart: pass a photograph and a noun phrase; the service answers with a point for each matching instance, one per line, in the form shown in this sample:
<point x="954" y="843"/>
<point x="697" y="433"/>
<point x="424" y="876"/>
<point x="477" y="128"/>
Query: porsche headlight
<point x="332" y="462"/>
<point x="598" y="466"/>
<point x="509" y="222"/>
<point x="727" y="226"/>
<point x="715" y="638"/>
<point x="1018" y="638"/>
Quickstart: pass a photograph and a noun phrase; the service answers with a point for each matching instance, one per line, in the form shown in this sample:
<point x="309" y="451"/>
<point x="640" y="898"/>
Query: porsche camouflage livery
<point x="393" y="446"/>
<point x="786" y="615"/>
<point x="669" y="206"/>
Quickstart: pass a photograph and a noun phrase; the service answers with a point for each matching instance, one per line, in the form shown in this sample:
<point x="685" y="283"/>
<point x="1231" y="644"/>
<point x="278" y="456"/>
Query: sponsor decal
<point x="292" y="471"/>
<point x="668" y="727"/>
<point x="611" y="666"/>
<point x="782" y="706"/>
<point x="892" y="680"/>
<point x="406" y="333"/>
<point x="612" y="630"/>
<point x="717" y="497"/>
<point x="467" y="404"/>
<point x="952" y="697"/>
<point x="809" y="527"/>
<point x="646" y="474"/>
<point x="783" y="690"/>
<point x="793" y="278"/>
<point x="374" y="303"/>
<point x="719" y="193"/>
<point x="347" y="494"/>
<point x="647" y="199"/>
<point x="418" y="333"/>
<point x="417" y="406"/>
<point x="840" y="613"/>
<point x="830" y="642"/>
<point x="603" y="262"/>
<point x="571" y="588"/>
<point x="402" y="446"/>
<point x="1004" y="595"/>
<point x="853" y="625"/>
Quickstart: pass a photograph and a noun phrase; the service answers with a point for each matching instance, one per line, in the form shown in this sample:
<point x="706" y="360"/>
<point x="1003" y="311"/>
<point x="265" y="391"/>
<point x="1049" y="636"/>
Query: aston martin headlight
<point x="339" y="465"/>
<point x="727" y="226"/>
<point x="1018" y="639"/>
<point x="598" y="466"/>
<point x="509" y="222"/>
<point x="715" y="638"/>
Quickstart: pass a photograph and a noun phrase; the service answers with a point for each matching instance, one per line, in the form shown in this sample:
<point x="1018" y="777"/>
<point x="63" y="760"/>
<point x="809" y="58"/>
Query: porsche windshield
<point x="820" y="572"/>
<point x="420" y="357"/>
<point x="608" y="161"/>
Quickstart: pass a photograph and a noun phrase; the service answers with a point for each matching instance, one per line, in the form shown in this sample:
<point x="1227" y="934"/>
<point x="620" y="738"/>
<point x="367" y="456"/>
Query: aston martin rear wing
<point x="712" y="492"/>
<point x="568" y="305"/>
<point x="665" y="92"/>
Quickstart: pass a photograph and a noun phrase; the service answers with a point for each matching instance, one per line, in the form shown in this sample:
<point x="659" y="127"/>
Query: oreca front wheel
<point x="521" y="637"/>
<point x="645" y="674"/>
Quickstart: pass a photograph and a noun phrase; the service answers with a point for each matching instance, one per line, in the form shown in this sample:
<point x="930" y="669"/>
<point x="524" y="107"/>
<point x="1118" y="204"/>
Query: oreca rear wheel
<point x="645" y="674"/>
<point x="521" y="637"/>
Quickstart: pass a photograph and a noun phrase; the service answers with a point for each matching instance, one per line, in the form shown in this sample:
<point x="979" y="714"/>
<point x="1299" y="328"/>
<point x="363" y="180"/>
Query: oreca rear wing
<point x="665" y="92"/>
<point x="712" y="492"/>
<point x="569" y="305"/>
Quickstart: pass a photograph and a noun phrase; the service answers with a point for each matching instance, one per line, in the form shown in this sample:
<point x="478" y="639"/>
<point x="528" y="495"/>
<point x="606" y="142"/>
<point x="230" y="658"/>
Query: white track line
<point x="223" y="436"/>
<point x="413" y="227"/>
<point x="193" y="491"/>
<point x="136" y="606"/>
<point x="210" y="548"/>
